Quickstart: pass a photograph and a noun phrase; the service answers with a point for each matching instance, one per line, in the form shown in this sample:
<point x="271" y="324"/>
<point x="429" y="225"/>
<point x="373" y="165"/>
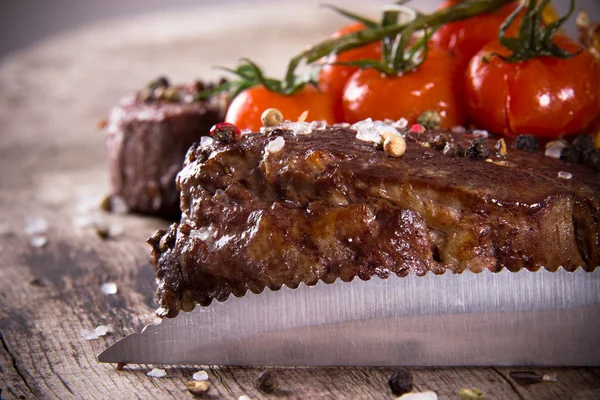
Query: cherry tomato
<point x="333" y="78"/>
<point x="434" y="85"/>
<point x="542" y="96"/>
<point x="246" y="109"/>
<point x="465" y="38"/>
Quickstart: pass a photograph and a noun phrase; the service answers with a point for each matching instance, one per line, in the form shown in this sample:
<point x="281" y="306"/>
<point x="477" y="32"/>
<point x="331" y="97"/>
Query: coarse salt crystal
<point x="101" y="330"/>
<point x="116" y="230"/>
<point x="370" y="131"/>
<point x="36" y="226"/>
<point x="275" y="145"/>
<point x="87" y="221"/>
<point x="429" y="395"/>
<point x="89" y="335"/>
<point x="206" y="141"/>
<point x="479" y="133"/>
<point x="565" y="175"/>
<point x="297" y="128"/>
<point x="200" y="376"/>
<point x="39" y="241"/>
<point x="554" y="149"/>
<point x="109" y="288"/>
<point x="157" y="373"/>
<point x="318" y="125"/>
<point x="244" y="397"/>
<point x="401" y="123"/>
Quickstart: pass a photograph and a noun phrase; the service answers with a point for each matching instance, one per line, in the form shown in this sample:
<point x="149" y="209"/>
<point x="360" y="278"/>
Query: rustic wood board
<point x="52" y="166"/>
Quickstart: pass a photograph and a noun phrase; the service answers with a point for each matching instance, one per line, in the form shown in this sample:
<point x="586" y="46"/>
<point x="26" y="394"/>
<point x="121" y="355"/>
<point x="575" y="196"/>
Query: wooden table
<point x="52" y="167"/>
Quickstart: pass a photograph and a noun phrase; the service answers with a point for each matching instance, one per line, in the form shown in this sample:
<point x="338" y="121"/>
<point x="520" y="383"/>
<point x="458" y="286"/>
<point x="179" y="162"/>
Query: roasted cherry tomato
<point x="465" y="38"/>
<point x="333" y="78"/>
<point x="434" y="85"/>
<point x="543" y="96"/>
<point x="246" y="109"/>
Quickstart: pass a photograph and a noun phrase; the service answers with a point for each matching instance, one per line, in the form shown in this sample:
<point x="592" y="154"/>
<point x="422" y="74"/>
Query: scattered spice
<point x="565" y="175"/>
<point x="267" y="381"/>
<point x="200" y="376"/>
<point x="589" y="33"/>
<point x="171" y="94"/>
<point x="394" y="145"/>
<point x="275" y="146"/>
<point x="271" y="117"/>
<point x="527" y="143"/>
<point x="121" y="366"/>
<point x="39" y="241"/>
<point x="417" y="128"/>
<point x="570" y="154"/>
<point x="160" y="82"/>
<point x="37" y="282"/>
<point x="501" y="148"/>
<point x="198" y="388"/>
<point x="430" y="119"/>
<point x="530" y="378"/>
<point x="157" y="373"/>
<point x="303" y="116"/>
<point x="453" y="150"/>
<point x="276" y="132"/>
<point x="225" y="132"/>
<point x="439" y="141"/>
<point x="400" y="382"/>
<point x="470" y="394"/>
<point x="109" y="288"/>
<point x="102" y="124"/>
<point x="479" y="149"/>
<point x="105" y="203"/>
<point x="102" y="231"/>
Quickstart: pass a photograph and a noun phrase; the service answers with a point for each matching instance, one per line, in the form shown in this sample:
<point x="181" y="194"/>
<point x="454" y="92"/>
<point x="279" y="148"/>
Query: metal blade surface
<point x="524" y="318"/>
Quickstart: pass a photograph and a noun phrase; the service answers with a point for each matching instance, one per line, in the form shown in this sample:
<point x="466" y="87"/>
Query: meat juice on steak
<point x="329" y="206"/>
<point x="147" y="138"/>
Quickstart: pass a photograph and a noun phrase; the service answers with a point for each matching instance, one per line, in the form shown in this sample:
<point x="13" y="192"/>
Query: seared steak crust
<point x="146" y="144"/>
<point x="330" y="206"/>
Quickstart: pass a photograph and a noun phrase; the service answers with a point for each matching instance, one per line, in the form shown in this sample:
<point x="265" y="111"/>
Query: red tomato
<point x="333" y="78"/>
<point x="434" y="85"/>
<point x="246" y="109"/>
<point x="542" y="96"/>
<point x="465" y="38"/>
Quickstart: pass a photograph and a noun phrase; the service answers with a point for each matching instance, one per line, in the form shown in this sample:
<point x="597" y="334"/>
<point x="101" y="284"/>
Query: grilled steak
<point x="328" y="206"/>
<point x="148" y="134"/>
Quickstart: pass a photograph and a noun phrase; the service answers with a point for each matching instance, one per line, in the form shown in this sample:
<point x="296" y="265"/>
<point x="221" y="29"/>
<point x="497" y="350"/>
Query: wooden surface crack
<point x="15" y="363"/>
<point x="510" y="382"/>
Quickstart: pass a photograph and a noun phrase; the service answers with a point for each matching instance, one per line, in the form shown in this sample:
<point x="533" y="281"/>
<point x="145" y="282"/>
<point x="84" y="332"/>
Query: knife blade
<point x="525" y="318"/>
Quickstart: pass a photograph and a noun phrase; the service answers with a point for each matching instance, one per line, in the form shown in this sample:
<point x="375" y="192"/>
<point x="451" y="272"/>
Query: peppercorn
<point x="225" y="132"/>
<point x="527" y="143"/>
<point x="400" y="382"/>
<point x="453" y="150"/>
<point x="501" y="148"/>
<point x="479" y="149"/>
<point x="439" y="141"/>
<point x="570" y="154"/>
<point x="593" y="159"/>
<point x="160" y="82"/>
<point x="267" y="381"/>
<point x="430" y="119"/>
<point x="583" y="142"/>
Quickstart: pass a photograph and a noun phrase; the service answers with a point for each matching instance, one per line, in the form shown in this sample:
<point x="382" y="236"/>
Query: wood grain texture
<point x="52" y="166"/>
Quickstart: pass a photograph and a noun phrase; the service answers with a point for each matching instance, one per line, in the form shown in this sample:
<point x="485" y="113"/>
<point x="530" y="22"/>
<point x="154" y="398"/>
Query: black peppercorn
<point x="267" y="381"/>
<point x="161" y="81"/>
<point x="479" y="149"/>
<point x="439" y="141"/>
<point x="570" y="154"/>
<point x="593" y="159"/>
<point x="583" y="142"/>
<point x="527" y="143"/>
<point x="400" y="382"/>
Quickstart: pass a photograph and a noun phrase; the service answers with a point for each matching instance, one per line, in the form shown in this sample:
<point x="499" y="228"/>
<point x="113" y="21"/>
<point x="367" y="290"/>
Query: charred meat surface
<point x="326" y="205"/>
<point x="148" y="134"/>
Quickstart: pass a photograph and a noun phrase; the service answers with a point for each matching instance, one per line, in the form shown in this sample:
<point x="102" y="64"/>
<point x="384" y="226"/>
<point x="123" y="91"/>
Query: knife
<point x="488" y="319"/>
